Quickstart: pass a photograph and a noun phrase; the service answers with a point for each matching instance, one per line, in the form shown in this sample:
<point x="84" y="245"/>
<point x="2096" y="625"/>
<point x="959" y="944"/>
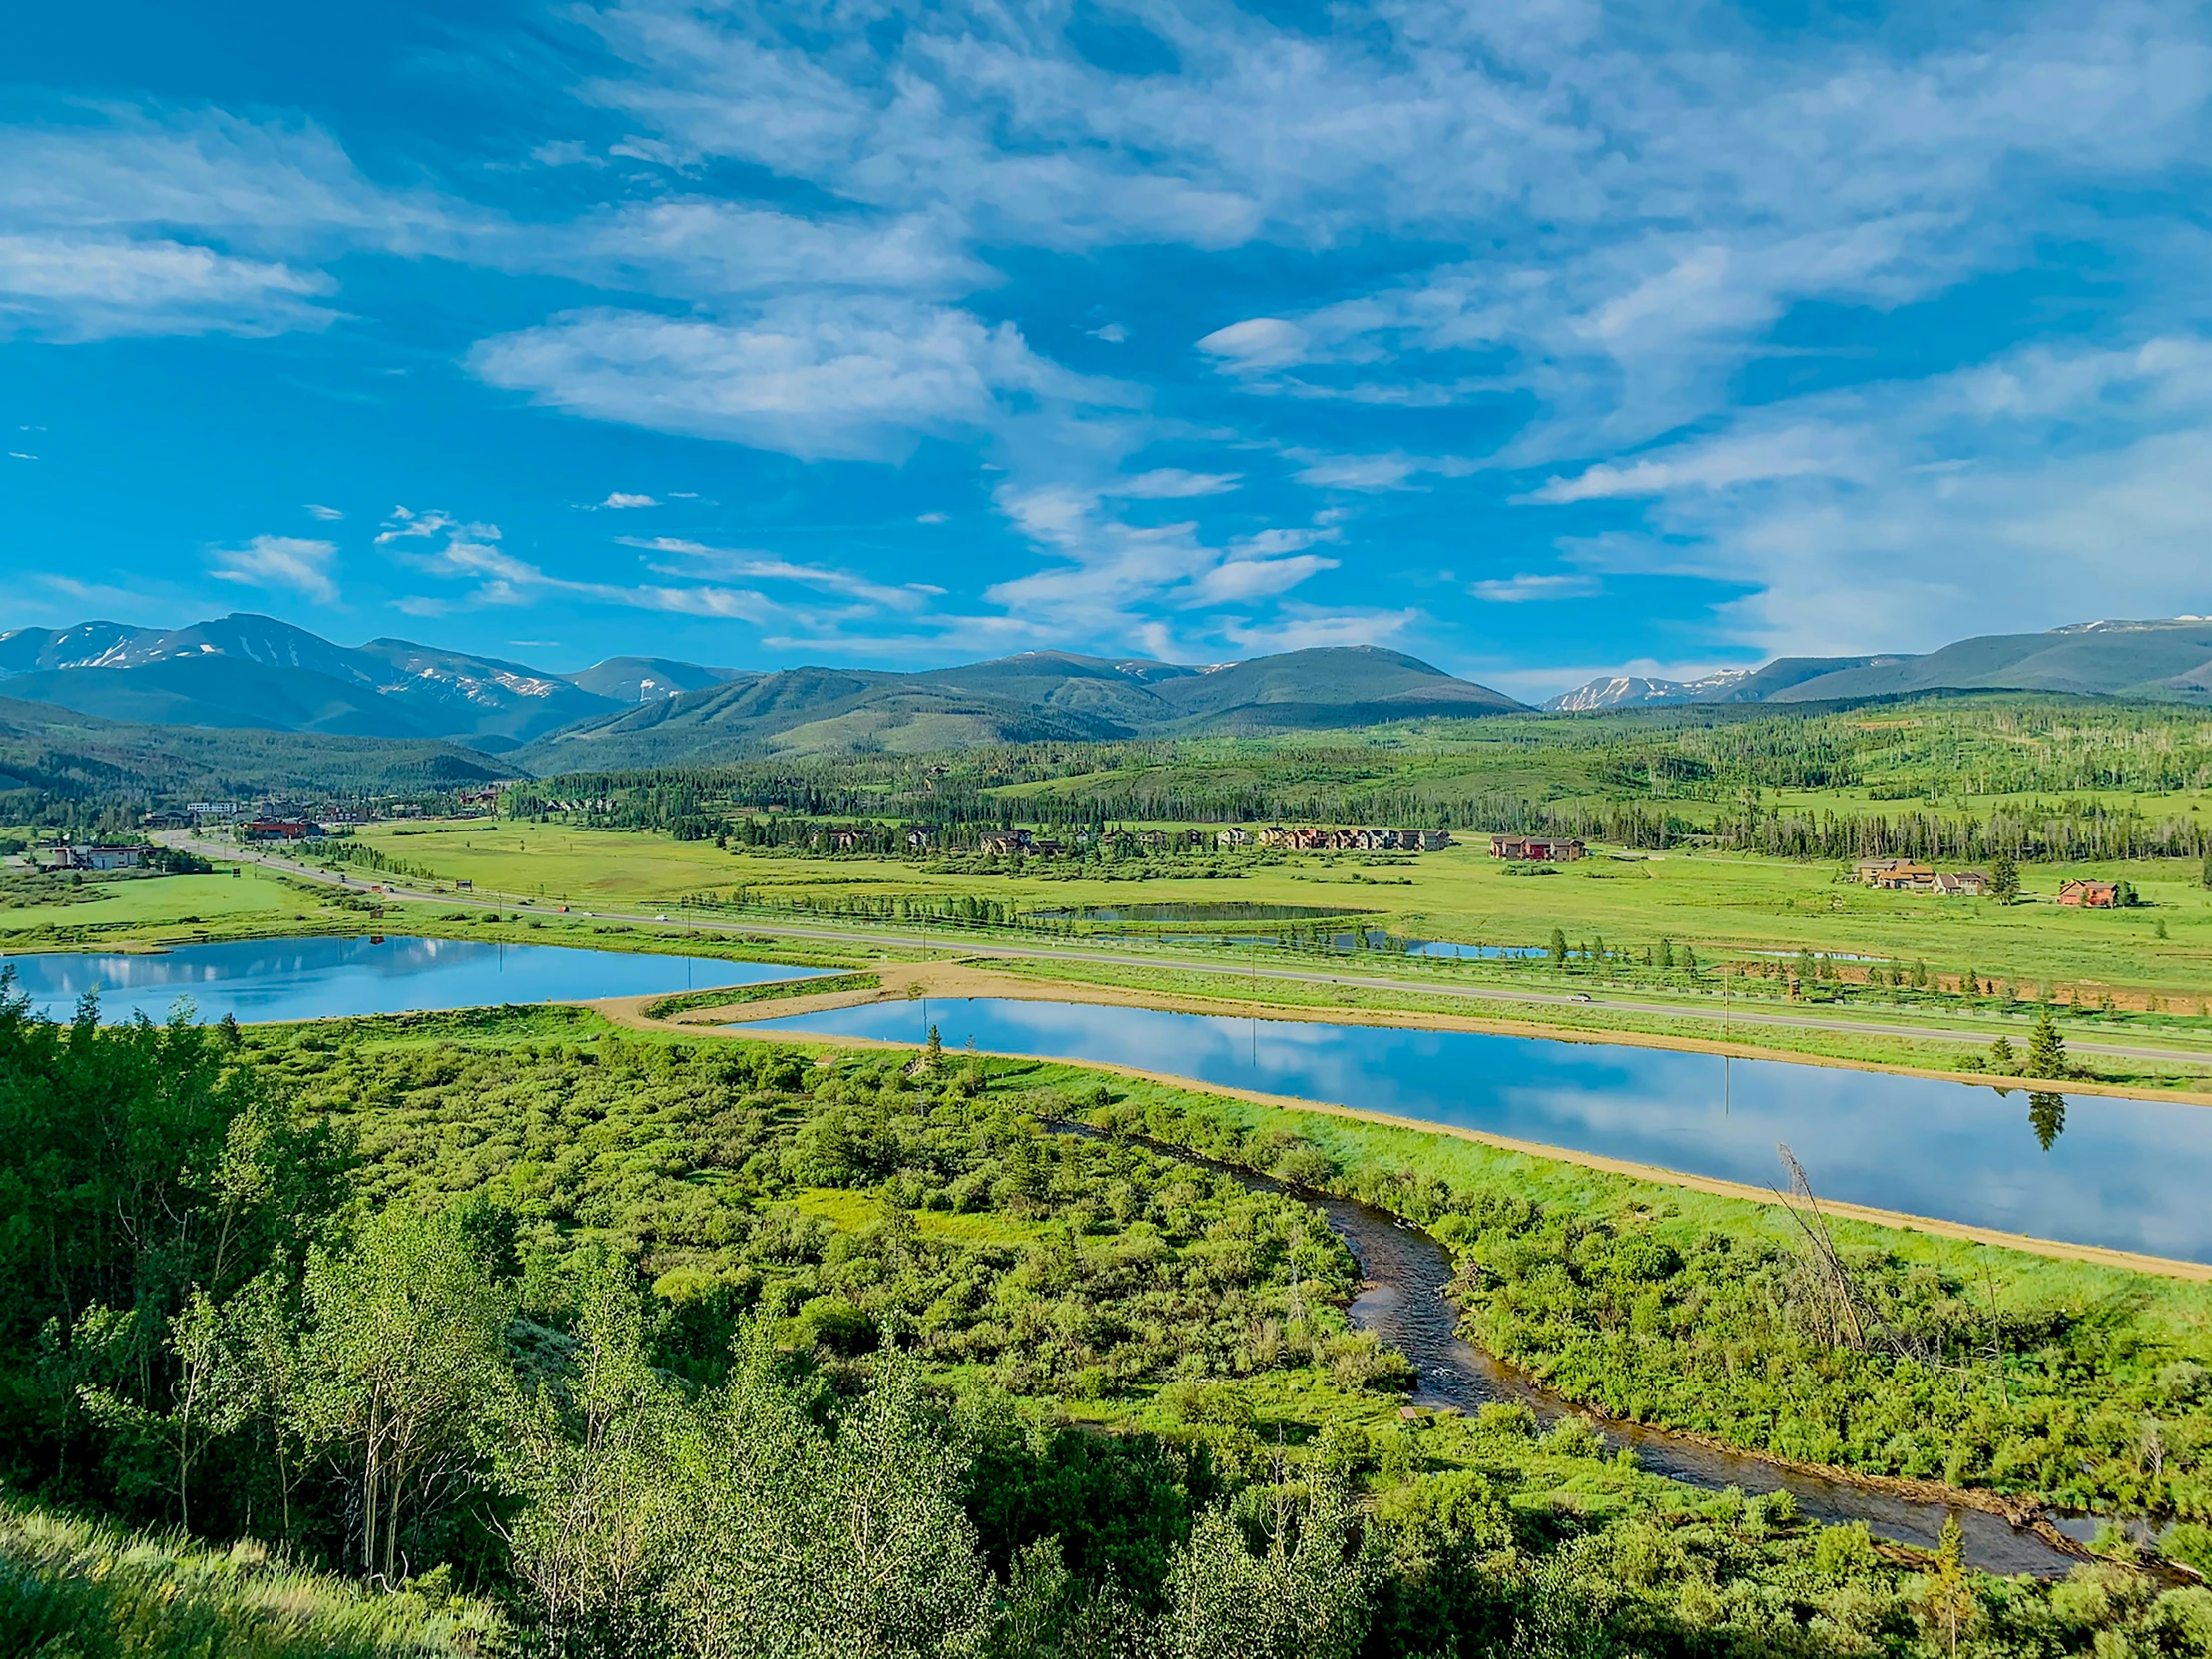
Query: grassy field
<point x="223" y="905"/>
<point x="1719" y="904"/>
<point x="72" y="1589"/>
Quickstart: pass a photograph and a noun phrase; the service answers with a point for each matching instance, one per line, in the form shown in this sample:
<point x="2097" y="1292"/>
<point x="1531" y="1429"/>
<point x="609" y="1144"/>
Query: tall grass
<point x="72" y="1589"/>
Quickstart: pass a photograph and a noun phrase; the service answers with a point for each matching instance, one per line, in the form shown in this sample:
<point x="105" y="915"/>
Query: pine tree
<point x="2005" y="879"/>
<point x="932" y="1056"/>
<point x="1558" y="946"/>
<point x="1950" y="1598"/>
<point x="2046" y="1050"/>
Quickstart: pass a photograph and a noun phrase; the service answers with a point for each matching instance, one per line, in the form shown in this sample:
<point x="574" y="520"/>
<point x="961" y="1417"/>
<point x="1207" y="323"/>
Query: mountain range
<point x="2167" y="660"/>
<point x="458" y="709"/>
<point x="254" y="671"/>
<point x="257" y="673"/>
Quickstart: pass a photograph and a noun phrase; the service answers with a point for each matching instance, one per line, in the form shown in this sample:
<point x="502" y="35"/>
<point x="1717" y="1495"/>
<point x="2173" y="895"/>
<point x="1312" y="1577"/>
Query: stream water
<point x="1405" y="1302"/>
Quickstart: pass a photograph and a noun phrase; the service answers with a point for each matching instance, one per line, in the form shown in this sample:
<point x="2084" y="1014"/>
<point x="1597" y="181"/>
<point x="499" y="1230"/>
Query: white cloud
<point x="1114" y="578"/>
<point x="1263" y="342"/>
<point x="123" y="221"/>
<point x="328" y="515"/>
<point x="279" y="562"/>
<point x="1170" y="483"/>
<point x="1114" y="333"/>
<point x="84" y="287"/>
<point x="695" y="247"/>
<point x="619" y="503"/>
<point x="455" y="550"/>
<point x="2044" y="486"/>
<point x="1239" y="581"/>
<point x="750" y="565"/>
<point x="1307" y="628"/>
<point x="932" y="518"/>
<point x="860" y="377"/>
<point x="1370" y="474"/>
<point x="1789" y="452"/>
<point x="1520" y="590"/>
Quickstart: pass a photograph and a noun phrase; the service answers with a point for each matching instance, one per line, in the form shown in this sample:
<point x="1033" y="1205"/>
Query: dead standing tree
<point x="1843" y="1313"/>
<point x="1846" y="1312"/>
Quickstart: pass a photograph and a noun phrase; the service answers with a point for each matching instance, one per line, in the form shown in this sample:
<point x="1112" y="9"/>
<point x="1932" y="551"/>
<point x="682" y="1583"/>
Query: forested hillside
<point x="1966" y="778"/>
<point x="69" y="769"/>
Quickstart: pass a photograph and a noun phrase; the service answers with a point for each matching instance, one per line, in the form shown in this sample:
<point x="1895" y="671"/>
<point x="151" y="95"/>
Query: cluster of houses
<point x="1904" y="875"/>
<point x="1025" y="843"/>
<point x="1537" y="850"/>
<point x="1344" y="841"/>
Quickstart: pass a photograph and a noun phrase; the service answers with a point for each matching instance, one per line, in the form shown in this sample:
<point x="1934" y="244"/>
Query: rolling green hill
<point x="1040" y="695"/>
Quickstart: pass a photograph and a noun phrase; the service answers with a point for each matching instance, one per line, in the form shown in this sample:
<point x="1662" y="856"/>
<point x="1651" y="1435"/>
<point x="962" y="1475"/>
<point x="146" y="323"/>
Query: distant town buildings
<point x="1537" y="850"/>
<point x="281" y="830"/>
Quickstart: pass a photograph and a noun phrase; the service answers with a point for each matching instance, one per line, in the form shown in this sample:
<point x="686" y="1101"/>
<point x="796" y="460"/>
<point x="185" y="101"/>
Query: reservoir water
<point x="2124" y="1172"/>
<point x="332" y="979"/>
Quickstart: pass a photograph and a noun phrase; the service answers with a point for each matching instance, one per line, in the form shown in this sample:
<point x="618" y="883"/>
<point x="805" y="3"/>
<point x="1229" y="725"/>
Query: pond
<point x="331" y="978"/>
<point x="2097" y="1170"/>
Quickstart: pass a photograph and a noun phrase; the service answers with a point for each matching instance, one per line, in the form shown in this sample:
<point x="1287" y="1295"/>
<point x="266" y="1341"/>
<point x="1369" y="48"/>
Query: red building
<point x="1536" y="850"/>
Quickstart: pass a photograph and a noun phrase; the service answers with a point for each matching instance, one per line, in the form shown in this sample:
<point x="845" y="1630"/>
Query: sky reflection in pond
<point x="2124" y="1172"/>
<point x="331" y="978"/>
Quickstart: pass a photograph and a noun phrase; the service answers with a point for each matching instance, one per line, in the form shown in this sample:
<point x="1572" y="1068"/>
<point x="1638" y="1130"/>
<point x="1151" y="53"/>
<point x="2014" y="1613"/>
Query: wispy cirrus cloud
<point x="118" y="221"/>
<point x="750" y="565"/>
<point x="815" y="377"/>
<point x="291" y="562"/>
<point x="1521" y="590"/>
<point x="1170" y="483"/>
<point x="2047" y="482"/>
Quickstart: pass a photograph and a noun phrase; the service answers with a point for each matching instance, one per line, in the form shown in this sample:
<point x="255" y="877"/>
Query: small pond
<point x="332" y="979"/>
<point x="2097" y="1170"/>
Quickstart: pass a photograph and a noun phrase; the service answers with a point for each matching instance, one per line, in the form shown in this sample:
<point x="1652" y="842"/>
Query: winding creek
<point x="1405" y="1302"/>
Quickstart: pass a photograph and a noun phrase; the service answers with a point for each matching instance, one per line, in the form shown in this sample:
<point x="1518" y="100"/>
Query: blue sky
<point x="1539" y="340"/>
